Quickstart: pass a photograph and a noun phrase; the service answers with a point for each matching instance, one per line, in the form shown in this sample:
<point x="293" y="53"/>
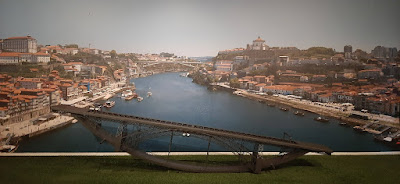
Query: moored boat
<point x="388" y="140"/>
<point x="149" y="94"/>
<point x="271" y="105"/>
<point x="130" y="97"/>
<point x="283" y="109"/>
<point x="321" y="119"/>
<point x="184" y="74"/>
<point x="298" y="113"/>
<point x="139" y="99"/>
<point x="109" y="104"/>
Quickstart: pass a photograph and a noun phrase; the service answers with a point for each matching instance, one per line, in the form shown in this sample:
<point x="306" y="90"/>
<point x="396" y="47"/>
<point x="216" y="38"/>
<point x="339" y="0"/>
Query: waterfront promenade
<point x="320" y="108"/>
<point x="325" y="109"/>
<point x="30" y="129"/>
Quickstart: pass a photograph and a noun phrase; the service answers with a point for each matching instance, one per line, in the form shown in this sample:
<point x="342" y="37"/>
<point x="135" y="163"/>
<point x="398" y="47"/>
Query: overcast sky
<point x="200" y="28"/>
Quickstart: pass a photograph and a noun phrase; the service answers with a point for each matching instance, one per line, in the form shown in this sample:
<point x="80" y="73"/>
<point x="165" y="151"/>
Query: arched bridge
<point x="147" y="128"/>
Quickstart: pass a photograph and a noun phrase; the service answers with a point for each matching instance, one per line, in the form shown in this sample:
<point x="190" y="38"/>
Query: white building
<point x="30" y="83"/>
<point x="41" y="57"/>
<point x="17" y="58"/>
<point x="280" y="89"/>
<point x="258" y="44"/>
<point x="9" y="58"/>
<point x="26" y="44"/>
<point x="224" y="65"/>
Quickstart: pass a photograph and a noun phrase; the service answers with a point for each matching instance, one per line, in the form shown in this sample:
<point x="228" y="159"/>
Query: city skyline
<point x="202" y="28"/>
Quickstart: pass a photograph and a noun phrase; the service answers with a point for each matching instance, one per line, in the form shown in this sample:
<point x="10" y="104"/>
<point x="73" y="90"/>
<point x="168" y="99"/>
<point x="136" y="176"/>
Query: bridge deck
<point x="194" y="129"/>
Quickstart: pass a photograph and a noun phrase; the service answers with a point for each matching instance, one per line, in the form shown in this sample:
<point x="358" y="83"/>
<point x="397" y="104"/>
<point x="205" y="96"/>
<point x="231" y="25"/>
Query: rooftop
<point x="20" y="38"/>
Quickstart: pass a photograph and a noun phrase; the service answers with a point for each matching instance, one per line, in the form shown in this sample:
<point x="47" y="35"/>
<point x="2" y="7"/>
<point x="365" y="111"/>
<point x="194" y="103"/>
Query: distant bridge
<point x="173" y="62"/>
<point x="189" y="64"/>
<point x="147" y="128"/>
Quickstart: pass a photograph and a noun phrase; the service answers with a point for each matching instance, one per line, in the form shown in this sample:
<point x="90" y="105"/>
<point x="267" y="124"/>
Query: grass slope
<point x="306" y="169"/>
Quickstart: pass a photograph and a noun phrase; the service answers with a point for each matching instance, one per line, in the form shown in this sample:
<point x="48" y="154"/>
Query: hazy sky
<point x="199" y="28"/>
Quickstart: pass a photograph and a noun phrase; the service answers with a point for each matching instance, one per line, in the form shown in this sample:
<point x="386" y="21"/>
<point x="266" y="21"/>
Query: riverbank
<point x="327" y="112"/>
<point x="17" y="132"/>
<point x="125" y="169"/>
<point x="29" y="129"/>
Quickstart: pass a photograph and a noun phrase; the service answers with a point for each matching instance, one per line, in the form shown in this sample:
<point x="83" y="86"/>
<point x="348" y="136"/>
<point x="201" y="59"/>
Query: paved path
<point x="26" y="127"/>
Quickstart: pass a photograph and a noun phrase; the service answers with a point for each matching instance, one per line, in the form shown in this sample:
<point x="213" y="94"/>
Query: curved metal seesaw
<point x="147" y="128"/>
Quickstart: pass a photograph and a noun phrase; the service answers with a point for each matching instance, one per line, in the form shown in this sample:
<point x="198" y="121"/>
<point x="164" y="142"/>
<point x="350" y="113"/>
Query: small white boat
<point x="74" y="121"/>
<point x="149" y="94"/>
<point x="184" y="74"/>
<point x="139" y="99"/>
<point x="388" y="139"/>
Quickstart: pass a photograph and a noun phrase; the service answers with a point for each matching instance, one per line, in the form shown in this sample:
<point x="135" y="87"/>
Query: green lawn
<point x="306" y="169"/>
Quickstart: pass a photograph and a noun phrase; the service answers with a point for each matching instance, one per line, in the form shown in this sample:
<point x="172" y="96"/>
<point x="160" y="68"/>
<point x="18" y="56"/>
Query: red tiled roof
<point x="9" y="54"/>
<point x="41" y="54"/>
<point x="20" y="38"/>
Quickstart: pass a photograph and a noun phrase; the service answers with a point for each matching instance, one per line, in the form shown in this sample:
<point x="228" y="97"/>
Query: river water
<point x="176" y="98"/>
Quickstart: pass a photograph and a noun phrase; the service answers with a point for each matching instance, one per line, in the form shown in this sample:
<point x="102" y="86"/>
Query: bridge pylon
<point x="121" y="134"/>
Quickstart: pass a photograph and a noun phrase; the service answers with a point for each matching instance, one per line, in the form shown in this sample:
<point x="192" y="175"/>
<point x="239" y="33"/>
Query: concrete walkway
<point x="26" y="127"/>
<point x="54" y="154"/>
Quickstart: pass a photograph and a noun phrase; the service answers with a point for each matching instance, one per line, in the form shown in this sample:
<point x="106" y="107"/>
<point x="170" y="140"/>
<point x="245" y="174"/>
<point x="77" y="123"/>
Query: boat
<point x="186" y="134"/>
<point x="109" y="104"/>
<point x="271" y="105"/>
<point x="283" y="109"/>
<point x="139" y="99"/>
<point x="126" y="93"/>
<point x="149" y="94"/>
<point x="130" y="97"/>
<point x="94" y="108"/>
<point x="74" y="121"/>
<point x="388" y="140"/>
<point x="343" y="124"/>
<point x="321" y="119"/>
<point x="298" y="113"/>
<point x="359" y="129"/>
<point x="184" y="74"/>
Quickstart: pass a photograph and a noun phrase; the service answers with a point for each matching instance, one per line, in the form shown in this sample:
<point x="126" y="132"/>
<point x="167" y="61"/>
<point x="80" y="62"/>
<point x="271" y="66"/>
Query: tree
<point x="234" y="83"/>
<point x="113" y="54"/>
<point x="319" y="51"/>
<point x="71" y="46"/>
<point x="360" y="54"/>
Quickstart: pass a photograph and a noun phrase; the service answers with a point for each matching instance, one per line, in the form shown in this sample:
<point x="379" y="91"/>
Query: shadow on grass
<point x="132" y="164"/>
<point x="300" y="163"/>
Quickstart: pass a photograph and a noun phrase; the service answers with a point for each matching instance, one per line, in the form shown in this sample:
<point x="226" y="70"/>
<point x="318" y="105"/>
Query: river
<point x="176" y="98"/>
